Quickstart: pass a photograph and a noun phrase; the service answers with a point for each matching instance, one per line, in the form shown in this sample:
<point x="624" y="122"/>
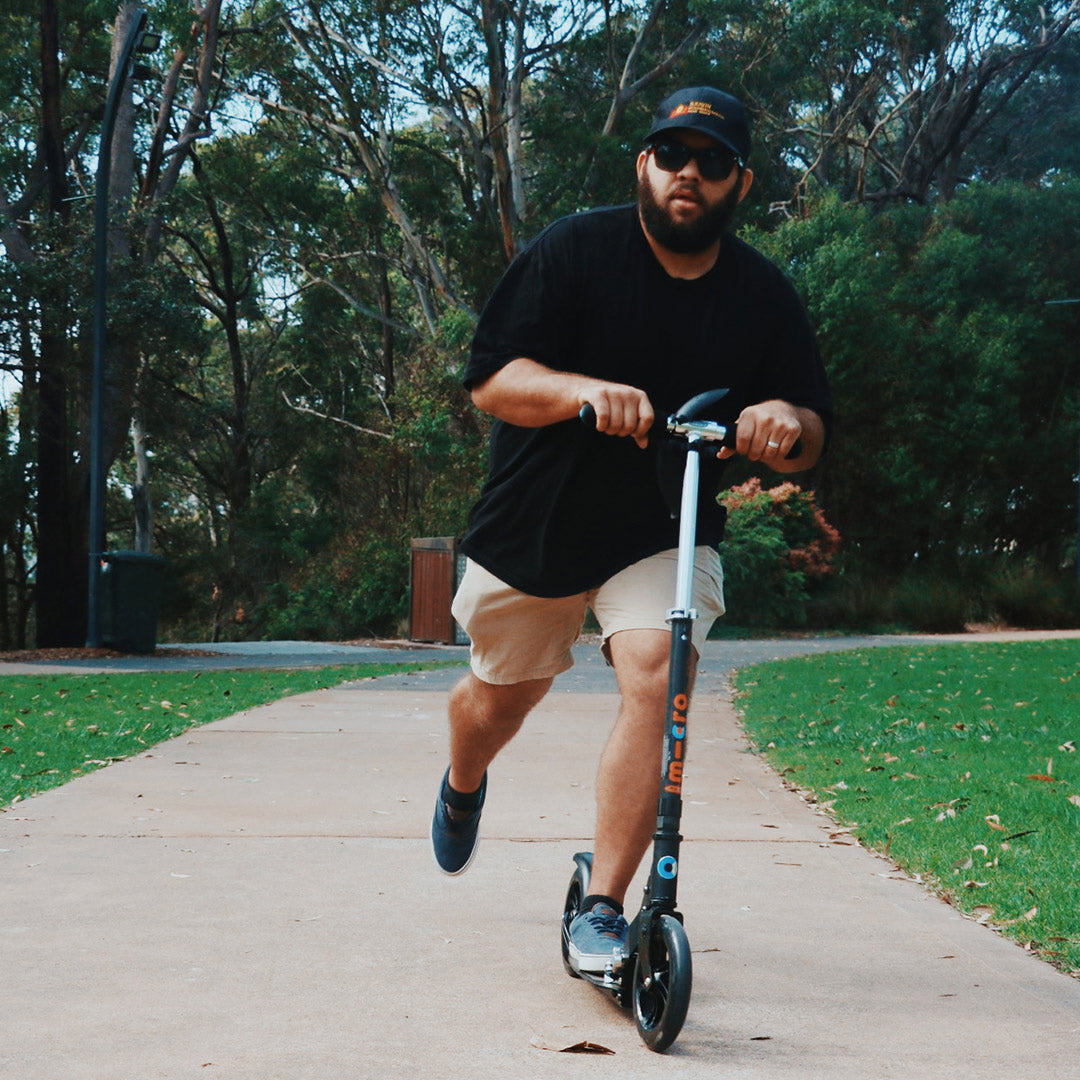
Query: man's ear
<point x="745" y="181"/>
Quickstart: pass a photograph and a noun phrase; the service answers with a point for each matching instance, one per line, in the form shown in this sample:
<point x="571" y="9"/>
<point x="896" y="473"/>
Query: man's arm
<point x="528" y="394"/>
<point x="767" y="431"/>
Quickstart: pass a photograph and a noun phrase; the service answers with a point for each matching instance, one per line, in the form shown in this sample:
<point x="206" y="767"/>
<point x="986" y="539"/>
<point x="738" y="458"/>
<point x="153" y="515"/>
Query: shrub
<point x="358" y="590"/>
<point x="778" y="546"/>
<point x="932" y="602"/>
<point x="1030" y="596"/>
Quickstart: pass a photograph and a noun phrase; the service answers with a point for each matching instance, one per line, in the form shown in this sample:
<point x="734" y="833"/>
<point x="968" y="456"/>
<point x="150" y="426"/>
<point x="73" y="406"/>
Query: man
<point x="632" y="310"/>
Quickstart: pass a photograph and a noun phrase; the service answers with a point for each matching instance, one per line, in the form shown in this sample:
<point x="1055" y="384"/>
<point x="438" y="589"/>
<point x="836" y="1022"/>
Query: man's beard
<point x="685" y="237"/>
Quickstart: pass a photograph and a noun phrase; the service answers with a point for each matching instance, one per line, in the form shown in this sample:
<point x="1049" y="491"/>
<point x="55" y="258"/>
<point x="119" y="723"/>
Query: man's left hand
<point x="765" y="432"/>
<point x="768" y="431"/>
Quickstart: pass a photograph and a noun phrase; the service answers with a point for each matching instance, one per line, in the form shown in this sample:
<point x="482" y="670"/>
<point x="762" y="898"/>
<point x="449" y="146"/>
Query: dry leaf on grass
<point x="1026" y="917"/>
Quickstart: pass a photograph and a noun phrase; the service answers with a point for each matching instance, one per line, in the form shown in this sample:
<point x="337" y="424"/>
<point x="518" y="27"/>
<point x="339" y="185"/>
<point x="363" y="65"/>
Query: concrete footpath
<point x="256" y="900"/>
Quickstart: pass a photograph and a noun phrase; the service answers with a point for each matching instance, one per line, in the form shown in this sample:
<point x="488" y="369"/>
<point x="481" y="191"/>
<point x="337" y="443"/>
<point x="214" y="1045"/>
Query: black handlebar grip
<point x="587" y="415"/>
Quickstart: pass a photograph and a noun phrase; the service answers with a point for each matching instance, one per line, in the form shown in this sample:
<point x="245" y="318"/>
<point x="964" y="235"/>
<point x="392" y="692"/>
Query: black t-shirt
<point x="564" y="508"/>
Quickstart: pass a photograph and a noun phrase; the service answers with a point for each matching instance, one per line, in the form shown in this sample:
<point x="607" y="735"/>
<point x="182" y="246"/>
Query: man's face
<point x="683" y="211"/>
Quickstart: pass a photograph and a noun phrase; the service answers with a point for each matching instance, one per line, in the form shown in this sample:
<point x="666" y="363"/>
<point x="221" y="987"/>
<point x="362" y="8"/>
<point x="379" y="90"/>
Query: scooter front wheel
<point x="661" y="987"/>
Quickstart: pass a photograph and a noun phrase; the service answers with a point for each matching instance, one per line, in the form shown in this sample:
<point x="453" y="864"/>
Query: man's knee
<point x="640" y="659"/>
<point x="494" y="702"/>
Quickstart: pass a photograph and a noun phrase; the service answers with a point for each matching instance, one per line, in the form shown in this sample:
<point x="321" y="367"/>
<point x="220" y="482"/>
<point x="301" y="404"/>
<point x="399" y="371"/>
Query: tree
<point x="957" y="384"/>
<point x="897" y="98"/>
<point x="45" y="154"/>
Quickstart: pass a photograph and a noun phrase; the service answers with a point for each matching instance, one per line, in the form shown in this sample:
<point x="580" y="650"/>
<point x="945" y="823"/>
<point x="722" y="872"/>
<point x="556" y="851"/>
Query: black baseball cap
<point x="710" y="111"/>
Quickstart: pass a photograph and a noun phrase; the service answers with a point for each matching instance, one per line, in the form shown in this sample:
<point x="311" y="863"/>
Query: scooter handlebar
<point x="716" y="432"/>
<point x="587" y="415"/>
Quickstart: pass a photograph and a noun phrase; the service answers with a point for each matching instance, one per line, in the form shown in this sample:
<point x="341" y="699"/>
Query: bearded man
<point x="632" y="310"/>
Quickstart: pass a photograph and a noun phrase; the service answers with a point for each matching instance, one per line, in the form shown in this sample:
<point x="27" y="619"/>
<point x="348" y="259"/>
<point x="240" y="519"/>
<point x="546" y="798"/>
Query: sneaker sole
<point x="593" y="963"/>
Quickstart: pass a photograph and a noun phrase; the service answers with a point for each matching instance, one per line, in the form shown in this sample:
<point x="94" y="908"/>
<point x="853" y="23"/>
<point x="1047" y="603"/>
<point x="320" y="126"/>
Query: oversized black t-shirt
<point x="564" y="508"/>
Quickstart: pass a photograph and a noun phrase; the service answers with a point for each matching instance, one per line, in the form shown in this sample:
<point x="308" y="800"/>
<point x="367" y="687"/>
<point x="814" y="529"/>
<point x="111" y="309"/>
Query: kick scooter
<point x="653" y="975"/>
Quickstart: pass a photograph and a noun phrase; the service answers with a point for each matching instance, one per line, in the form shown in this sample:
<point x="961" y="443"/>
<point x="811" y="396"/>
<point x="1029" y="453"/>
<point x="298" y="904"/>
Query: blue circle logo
<point x="667" y="867"/>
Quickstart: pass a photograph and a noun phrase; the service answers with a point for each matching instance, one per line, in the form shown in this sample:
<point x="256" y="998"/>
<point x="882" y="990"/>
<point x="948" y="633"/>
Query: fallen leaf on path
<point x="583" y="1047"/>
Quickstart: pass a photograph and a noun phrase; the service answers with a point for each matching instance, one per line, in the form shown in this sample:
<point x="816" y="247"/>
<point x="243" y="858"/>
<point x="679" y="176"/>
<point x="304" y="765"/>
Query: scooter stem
<point x="666" y="839"/>
<point x="684" y="585"/>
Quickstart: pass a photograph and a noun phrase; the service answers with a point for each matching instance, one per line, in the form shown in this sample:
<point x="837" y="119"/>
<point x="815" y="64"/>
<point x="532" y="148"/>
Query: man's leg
<point x="484" y="717"/>
<point x="628" y="780"/>
<point x="519" y="644"/>
<point x="627" y="789"/>
<point x="631" y="609"/>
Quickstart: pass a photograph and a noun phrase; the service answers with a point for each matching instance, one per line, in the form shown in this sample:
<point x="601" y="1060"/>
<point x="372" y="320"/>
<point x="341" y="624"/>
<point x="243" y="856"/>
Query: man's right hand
<point x="529" y="394"/>
<point x="620" y="410"/>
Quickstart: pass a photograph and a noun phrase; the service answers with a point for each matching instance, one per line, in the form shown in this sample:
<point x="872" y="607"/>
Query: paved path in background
<point x="256" y="900"/>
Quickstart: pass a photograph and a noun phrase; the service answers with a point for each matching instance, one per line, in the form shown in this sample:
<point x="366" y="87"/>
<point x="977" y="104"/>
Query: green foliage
<point x="776" y="546"/>
<point x="356" y="592"/>
<point x="956" y="383"/>
<point x="995" y="592"/>
<point x="959" y="762"/>
<point x="1026" y="594"/>
<point x="295" y="349"/>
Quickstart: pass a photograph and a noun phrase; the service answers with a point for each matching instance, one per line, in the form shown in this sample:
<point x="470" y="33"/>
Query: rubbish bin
<point x="129" y="590"/>
<point x="435" y="570"/>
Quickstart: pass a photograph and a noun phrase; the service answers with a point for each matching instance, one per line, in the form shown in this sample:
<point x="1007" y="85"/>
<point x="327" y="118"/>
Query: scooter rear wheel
<point x="661" y="987"/>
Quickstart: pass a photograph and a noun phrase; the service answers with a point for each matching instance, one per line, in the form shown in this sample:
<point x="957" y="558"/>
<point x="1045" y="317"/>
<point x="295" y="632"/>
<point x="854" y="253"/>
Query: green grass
<point x="54" y="728"/>
<point x="961" y="763"/>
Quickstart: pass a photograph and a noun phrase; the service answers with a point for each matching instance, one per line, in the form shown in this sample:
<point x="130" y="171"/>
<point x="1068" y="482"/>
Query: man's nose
<point x="690" y="169"/>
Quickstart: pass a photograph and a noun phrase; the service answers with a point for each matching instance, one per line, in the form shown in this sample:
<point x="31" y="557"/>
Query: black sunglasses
<point x="713" y="162"/>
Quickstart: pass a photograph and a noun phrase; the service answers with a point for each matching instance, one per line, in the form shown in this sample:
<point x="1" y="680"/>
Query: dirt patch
<point x="30" y="656"/>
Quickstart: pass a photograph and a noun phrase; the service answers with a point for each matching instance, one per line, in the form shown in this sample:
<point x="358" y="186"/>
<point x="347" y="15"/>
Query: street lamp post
<point x="132" y="41"/>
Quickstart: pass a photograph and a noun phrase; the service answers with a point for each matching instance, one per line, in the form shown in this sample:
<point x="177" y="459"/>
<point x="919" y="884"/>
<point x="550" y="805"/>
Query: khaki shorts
<point x="516" y="636"/>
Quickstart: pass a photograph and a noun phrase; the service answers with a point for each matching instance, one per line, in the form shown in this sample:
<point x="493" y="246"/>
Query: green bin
<point x="129" y="591"/>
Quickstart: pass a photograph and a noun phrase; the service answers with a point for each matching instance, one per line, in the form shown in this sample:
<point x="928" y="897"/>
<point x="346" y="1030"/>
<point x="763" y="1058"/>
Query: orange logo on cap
<point x="702" y="107"/>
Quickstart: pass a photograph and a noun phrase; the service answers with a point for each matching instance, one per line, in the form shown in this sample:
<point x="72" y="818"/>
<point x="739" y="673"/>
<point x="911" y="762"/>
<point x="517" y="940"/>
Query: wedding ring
<point x="774" y="445"/>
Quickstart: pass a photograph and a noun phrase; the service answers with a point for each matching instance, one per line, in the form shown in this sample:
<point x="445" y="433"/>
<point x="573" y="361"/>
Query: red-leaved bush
<point x="777" y="543"/>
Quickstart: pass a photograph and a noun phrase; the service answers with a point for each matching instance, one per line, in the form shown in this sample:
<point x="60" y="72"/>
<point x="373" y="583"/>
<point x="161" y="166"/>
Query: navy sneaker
<point x="455" y="828"/>
<point x="597" y="938"/>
